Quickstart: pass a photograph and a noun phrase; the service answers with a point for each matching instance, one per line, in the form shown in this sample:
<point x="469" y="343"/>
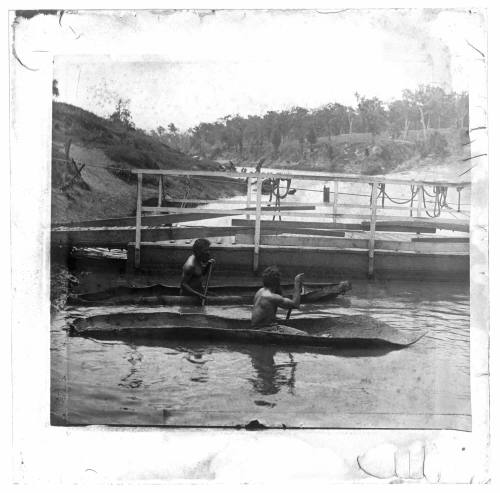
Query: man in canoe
<point x="268" y="299"/>
<point x="195" y="267"/>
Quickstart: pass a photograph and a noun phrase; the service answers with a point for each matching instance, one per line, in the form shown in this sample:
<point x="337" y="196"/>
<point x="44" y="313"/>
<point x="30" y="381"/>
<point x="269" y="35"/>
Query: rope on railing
<point x="187" y="191"/>
<point x="275" y="192"/>
<point x="440" y="194"/>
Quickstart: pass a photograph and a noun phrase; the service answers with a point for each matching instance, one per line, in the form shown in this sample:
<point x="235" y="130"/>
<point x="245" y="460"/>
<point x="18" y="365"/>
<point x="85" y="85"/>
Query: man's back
<point x="191" y="275"/>
<point x="265" y="305"/>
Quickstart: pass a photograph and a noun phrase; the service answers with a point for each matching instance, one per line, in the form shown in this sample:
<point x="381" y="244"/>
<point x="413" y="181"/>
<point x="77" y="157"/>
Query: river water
<point x="184" y="383"/>
<point x="205" y="384"/>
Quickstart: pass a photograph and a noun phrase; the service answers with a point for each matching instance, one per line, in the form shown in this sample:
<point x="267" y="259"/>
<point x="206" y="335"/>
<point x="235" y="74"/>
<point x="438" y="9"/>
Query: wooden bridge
<point x="424" y="234"/>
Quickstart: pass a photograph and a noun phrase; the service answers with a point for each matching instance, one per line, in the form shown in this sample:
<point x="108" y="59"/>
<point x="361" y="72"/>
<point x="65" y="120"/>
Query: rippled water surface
<point x="151" y="382"/>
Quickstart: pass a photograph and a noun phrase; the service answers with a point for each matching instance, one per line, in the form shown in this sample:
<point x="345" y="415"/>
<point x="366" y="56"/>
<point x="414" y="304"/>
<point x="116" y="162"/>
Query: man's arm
<point x="187" y="274"/>
<point x="207" y="265"/>
<point x="283" y="302"/>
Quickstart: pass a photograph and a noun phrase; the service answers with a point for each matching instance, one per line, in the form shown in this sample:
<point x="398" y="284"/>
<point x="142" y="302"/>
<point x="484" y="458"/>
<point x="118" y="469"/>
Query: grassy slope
<point x="110" y="192"/>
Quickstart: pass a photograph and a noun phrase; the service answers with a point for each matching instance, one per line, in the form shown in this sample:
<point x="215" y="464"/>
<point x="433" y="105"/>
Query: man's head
<point x="271" y="279"/>
<point x="201" y="249"/>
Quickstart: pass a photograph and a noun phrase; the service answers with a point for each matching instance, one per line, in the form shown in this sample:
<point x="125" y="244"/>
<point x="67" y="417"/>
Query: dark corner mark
<point x="253" y="425"/>
<point x="28" y="14"/>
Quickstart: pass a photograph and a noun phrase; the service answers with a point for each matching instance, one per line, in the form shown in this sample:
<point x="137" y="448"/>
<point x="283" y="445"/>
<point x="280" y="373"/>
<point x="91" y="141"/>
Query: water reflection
<point x="131" y="380"/>
<point x="270" y="377"/>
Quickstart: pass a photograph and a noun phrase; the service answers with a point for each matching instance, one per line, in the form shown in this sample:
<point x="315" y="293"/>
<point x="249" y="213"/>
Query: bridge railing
<point x="423" y="193"/>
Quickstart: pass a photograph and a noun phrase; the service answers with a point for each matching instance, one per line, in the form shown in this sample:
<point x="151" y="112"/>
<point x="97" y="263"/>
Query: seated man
<point x="195" y="267"/>
<point x="268" y="299"/>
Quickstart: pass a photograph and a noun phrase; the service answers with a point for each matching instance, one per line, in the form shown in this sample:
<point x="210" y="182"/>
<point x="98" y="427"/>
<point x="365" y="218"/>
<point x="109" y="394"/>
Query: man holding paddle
<point x="268" y="299"/>
<point x="196" y="266"/>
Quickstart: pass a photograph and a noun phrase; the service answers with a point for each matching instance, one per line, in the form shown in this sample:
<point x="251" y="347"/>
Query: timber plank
<point x="418" y="224"/>
<point x="396" y="226"/>
<point x="442" y="239"/>
<point x="120" y="237"/>
<point x="286" y="225"/>
<point x="356" y="243"/>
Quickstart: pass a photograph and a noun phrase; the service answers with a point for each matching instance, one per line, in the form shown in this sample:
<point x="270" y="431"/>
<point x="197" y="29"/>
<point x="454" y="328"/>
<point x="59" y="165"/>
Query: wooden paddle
<point x="206" y="284"/>
<point x="290" y="309"/>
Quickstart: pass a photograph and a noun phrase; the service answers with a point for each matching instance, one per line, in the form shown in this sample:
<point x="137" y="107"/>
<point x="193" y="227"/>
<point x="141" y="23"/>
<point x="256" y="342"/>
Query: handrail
<point x="298" y="176"/>
<point x="261" y="211"/>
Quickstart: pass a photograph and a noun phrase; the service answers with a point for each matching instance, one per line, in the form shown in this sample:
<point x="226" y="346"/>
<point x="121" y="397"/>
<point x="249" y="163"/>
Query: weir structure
<point x="391" y="228"/>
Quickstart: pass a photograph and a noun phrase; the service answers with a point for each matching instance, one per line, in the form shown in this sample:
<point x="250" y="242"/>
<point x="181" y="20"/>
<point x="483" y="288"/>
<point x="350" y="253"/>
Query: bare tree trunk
<point x="405" y="134"/>
<point x="422" y="121"/>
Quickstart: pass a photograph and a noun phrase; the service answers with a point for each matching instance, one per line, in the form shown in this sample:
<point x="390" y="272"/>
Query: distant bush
<point x="435" y="145"/>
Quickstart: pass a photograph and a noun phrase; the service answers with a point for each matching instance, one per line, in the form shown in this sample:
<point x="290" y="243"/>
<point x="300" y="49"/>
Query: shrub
<point x="436" y="145"/>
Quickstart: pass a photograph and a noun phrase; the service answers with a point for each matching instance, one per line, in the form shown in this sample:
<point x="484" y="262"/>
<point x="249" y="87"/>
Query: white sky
<point x="249" y="62"/>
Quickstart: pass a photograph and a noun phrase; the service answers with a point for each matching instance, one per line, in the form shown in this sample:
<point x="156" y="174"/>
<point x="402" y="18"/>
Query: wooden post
<point x="335" y="199"/>
<point x="138" y="215"/>
<point x="249" y="194"/>
<point x="256" y="241"/>
<point x="160" y="190"/>
<point x="373" y="222"/>
<point x="420" y="200"/>
<point x="67" y="147"/>
<point x="326" y="194"/>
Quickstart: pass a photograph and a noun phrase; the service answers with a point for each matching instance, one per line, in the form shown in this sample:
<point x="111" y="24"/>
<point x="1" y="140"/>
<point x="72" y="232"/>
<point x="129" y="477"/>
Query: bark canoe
<point x="344" y="330"/>
<point x="161" y="294"/>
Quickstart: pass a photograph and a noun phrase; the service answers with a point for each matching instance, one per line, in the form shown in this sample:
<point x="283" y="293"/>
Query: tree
<point x="461" y="108"/>
<point x="428" y="101"/>
<point x="400" y="112"/>
<point x="351" y="115"/>
<point x="160" y="130"/>
<point x="55" y="88"/>
<point x="373" y="115"/>
<point x="299" y="120"/>
<point x="311" y="137"/>
<point x="172" y="129"/>
<point x="276" y="140"/>
<point x="122" y="114"/>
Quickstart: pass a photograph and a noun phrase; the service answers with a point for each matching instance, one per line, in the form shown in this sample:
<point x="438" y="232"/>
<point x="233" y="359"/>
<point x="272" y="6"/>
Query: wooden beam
<point x="160" y="190"/>
<point x="441" y="239"/>
<point x="137" y="257"/>
<point x="354" y="243"/>
<point x="418" y="224"/>
<point x="257" y="226"/>
<point x="298" y="176"/>
<point x="239" y="210"/>
<point x="288" y="205"/>
<point x="284" y="225"/>
<point x="398" y="227"/>
<point x="371" y="242"/>
<point x="277" y="227"/>
<point x="156" y="220"/>
<point x="432" y="222"/>
<point x="122" y="236"/>
<point x="249" y="195"/>
<point x="335" y="199"/>
<point x="420" y="200"/>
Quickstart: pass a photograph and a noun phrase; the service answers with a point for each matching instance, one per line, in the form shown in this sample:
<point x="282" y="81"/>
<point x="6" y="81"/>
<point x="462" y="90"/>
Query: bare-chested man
<point x="268" y="299"/>
<point x="195" y="267"/>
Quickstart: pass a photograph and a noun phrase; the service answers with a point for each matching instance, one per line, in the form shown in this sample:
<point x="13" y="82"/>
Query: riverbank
<point x="92" y="159"/>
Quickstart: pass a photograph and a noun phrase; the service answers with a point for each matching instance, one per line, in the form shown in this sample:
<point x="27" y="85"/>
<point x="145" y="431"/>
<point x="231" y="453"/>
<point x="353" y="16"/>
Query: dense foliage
<point x="428" y="107"/>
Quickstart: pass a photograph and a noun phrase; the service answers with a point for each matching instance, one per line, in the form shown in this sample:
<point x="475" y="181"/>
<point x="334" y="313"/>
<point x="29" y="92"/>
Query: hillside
<point x="109" y="150"/>
<point x="361" y="153"/>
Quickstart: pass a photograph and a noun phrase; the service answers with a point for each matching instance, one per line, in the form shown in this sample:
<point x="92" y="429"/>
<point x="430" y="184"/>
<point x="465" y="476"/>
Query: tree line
<point x="427" y="107"/>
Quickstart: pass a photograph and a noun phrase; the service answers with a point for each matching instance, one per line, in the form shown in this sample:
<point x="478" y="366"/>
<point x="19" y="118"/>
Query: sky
<point x="187" y="68"/>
